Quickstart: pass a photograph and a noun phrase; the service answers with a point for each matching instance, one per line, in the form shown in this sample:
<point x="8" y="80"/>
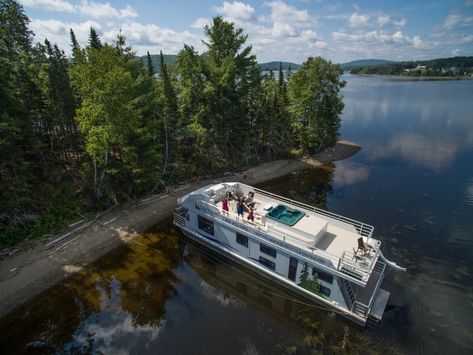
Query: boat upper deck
<point x="331" y="239"/>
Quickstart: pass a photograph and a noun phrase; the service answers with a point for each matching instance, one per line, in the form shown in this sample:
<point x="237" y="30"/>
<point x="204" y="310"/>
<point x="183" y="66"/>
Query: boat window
<point x="267" y="250"/>
<point x="242" y="239"/>
<point x="268" y="263"/>
<point x="321" y="275"/>
<point x="324" y="291"/>
<point x="205" y="225"/>
<point x="292" y="272"/>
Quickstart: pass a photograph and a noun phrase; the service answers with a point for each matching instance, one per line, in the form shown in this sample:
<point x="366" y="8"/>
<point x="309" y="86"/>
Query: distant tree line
<point x="81" y="132"/>
<point x="456" y="66"/>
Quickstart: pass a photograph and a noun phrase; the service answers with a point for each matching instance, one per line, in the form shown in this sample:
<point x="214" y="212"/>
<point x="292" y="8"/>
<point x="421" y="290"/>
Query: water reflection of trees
<point x="138" y="279"/>
<point x="310" y="186"/>
<point x="321" y="330"/>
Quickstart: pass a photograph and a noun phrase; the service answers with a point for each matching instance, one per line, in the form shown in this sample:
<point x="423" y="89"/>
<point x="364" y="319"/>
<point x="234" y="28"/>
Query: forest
<point x="95" y="128"/>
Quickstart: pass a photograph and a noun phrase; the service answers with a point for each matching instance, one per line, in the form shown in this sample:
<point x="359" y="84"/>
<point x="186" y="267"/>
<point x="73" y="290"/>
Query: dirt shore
<point x="24" y="275"/>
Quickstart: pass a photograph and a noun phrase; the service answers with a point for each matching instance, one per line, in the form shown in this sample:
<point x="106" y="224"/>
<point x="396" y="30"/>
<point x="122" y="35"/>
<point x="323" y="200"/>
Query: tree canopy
<point x="81" y="132"/>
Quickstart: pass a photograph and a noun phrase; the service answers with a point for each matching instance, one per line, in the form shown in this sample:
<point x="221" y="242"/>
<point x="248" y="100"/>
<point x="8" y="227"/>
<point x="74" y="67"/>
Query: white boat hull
<point x="267" y="274"/>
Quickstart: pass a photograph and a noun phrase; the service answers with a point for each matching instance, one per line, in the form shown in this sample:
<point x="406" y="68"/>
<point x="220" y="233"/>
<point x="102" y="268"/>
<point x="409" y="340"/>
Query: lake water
<point x="413" y="180"/>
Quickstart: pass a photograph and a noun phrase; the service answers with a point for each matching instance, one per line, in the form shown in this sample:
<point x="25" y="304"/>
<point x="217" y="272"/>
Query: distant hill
<point x="364" y="63"/>
<point x="169" y="59"/>
<point x="274" y="65"/>
<point x="454" y="66"/>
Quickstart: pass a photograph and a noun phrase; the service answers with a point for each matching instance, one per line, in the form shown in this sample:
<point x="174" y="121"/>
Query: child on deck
<point x="225" y="206"/>
<point x="251" y="216"/>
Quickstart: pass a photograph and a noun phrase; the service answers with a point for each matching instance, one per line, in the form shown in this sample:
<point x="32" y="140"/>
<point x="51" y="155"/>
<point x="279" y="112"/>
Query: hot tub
<point x="286" y="215"/>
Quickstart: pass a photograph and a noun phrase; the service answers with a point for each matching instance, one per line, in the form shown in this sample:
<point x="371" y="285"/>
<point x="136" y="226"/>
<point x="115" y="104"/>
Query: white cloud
<point x="456" y="52"/>
<point x="358" y="20"/>
<point x="429" y="152"/>
<point x="348" y="173"/>
<point x="383" y="20"/>
<point x="58" y="32"/>
<point x="154" y="38"/>
<point x="372" y="37"/>
<point x="105" y="11"/>
<point x="50" y="5"/>
<point x="417" y="41"/>
<point x="283" y="13"/>
<point x="237" y="11"/>
<point x="457" y="21"/>
<point x="400" y="24"/>
<point x="200" y="23"/>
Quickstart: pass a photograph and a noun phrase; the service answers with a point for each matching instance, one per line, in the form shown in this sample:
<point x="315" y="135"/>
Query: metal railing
<point x="379" y="268"/>
<point x="362" y="229"/>
<point x="284" y="240"/>
<point x="179" y="218"/>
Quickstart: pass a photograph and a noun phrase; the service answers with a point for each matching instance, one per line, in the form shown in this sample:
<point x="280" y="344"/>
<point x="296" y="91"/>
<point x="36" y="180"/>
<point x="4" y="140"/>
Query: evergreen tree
<point x="194" y="140"/>
<point x="149" y="64"/>
<point x="77" y="52"/>
<point x="94" y="40"/>
<point x="74" y="44"/>
<point x="304" y="276"/>
<point x="122" y="47"/>
<point x="227" y="69"/>
<point x="168" y="102"/>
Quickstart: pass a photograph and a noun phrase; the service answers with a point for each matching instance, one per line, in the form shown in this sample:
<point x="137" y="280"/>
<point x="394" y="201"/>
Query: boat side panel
<point x="227" y="237"/>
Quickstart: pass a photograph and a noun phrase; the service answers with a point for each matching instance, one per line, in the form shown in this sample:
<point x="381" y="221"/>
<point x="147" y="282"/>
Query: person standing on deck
<point x="240" y="207"/>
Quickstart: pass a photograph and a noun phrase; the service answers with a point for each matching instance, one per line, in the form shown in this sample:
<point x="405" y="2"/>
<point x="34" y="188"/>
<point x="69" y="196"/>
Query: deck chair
<point x="365" y="248"/>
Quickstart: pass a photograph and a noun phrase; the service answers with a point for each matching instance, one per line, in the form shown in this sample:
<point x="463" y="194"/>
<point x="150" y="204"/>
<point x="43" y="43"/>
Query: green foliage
<point x="316" y="104"/>
<point x="304" y="280"/>
<point x="94" y="40"/>
<point x="81" y="133"/>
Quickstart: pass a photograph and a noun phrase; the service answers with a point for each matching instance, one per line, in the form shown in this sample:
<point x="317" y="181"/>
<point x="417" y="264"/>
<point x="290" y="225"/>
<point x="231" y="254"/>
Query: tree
<point x="74" y="44"/>
<point x="315" y="103"/>
<point x="94" y="40"/>
<point x="106" y="116"/>
<point x="304" y="276"/>
<point x="192" y="109"/>
<point x="168" y="102"/>
<point x="228" y="66"/>
<point x="122" y="47"/>
<point x="149" y="64"/>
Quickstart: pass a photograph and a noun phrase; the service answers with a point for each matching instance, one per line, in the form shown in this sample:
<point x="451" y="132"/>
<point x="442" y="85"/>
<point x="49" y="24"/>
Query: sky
<point x="290" y="30"/>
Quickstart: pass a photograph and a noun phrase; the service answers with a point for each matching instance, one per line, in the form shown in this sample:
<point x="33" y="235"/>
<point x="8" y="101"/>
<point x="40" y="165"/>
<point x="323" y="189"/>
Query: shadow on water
<point x="124" y="292"/>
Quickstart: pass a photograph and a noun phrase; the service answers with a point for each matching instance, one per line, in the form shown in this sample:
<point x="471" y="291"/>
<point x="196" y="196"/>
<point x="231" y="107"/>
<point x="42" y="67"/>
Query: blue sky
<point x="277" y="30"/>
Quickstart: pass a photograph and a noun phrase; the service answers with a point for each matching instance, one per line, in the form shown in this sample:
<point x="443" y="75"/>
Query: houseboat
<point x="322" y="256"/>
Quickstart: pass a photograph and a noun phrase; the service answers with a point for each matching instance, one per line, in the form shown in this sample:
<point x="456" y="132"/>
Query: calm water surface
<point x="413" y="180"/>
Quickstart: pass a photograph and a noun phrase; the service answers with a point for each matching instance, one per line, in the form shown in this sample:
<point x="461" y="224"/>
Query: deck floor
<point x="336" y="241"/>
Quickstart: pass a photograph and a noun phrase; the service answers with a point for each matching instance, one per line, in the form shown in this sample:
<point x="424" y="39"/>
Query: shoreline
<point x="26" y="274"/>
<point x="415" y="78"/>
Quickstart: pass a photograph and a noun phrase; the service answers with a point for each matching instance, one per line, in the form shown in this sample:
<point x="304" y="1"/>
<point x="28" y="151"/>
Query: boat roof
<point x="321" y="233"/>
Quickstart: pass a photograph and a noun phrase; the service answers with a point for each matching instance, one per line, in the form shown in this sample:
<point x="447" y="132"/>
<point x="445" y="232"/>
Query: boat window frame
<point x="202" y="220"/>
<point x="266" y="249"/>
<point x="242" y="238"/>
<point x="322" y="275"/>
<point x="267" y="263"/>
<point x="324" y="290"/>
